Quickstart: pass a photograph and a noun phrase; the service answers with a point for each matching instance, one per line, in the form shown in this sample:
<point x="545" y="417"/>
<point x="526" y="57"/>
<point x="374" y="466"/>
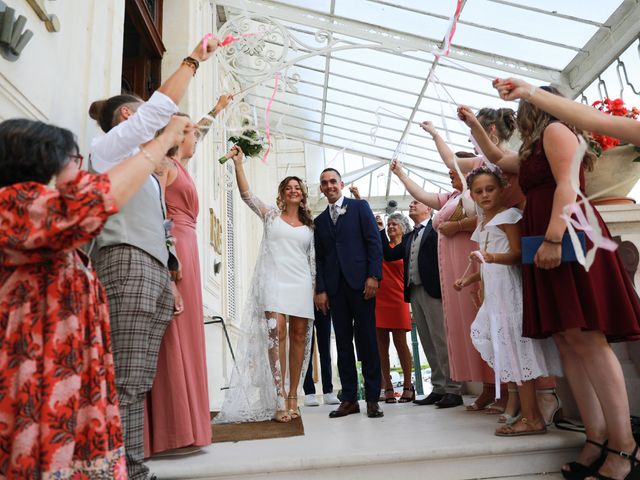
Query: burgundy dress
<point x="177" y="407"/>
<point x="568" y="296"/>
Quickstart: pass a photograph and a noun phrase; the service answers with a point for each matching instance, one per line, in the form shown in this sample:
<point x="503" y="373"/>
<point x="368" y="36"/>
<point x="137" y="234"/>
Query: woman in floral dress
<point x="59" y="415"/>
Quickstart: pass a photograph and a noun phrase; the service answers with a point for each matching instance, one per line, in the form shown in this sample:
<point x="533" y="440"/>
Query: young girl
<point x="497" y="330"/>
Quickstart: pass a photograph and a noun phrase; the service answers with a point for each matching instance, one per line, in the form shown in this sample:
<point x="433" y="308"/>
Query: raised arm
<point x="390" y="253"/>
<point x="574" y="113"/>
<point x="508" y="160"/>
<point x="176" y="85"/>
<point x="416" y="191"/>
<point x="258" y="206"/>
<point x="465" y="164"/>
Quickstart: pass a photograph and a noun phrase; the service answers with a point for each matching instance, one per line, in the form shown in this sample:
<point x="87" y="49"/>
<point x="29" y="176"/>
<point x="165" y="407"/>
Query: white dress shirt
<point x="124" y="140"/>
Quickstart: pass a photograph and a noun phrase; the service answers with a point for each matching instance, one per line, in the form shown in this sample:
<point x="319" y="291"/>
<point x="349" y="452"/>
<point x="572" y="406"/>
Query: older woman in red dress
<point x="392" y="313"/>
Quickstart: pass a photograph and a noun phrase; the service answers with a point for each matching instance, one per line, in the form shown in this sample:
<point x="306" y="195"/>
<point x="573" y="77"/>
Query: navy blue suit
<point x="347" y="253"/>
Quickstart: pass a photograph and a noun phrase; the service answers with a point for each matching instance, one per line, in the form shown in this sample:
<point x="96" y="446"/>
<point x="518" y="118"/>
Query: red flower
<point x="616" y="108"/>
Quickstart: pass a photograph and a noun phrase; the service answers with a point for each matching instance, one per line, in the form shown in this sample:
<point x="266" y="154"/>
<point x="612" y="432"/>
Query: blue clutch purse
<point x="530" y="246"/>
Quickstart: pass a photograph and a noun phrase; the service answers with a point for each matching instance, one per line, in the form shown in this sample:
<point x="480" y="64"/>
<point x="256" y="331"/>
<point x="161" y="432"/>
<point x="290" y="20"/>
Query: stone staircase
<point x="410" y="442"/>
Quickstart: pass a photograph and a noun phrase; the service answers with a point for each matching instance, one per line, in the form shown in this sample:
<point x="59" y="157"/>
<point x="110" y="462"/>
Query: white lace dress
<point x="496" y="331"/>
<point x="283" y="282"/>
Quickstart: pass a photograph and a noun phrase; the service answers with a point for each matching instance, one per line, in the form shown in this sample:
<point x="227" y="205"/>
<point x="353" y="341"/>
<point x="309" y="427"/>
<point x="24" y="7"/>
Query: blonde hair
<point x="304" y="212"/>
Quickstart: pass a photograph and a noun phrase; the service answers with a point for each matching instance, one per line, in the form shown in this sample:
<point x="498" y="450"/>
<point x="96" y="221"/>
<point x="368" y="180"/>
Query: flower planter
<point x="615" y="168"/>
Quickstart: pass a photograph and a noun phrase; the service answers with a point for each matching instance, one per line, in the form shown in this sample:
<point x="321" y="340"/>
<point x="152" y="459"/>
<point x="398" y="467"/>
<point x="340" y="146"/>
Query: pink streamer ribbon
<point x="266" y="118"/>
<point x="446" y="48"/>
<point x="225" y="41"/>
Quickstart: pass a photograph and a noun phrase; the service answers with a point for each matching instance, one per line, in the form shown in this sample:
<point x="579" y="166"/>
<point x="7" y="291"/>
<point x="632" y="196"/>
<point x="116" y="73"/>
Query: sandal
<point x="510" y="430"/>
<point x="481" y="402"/>
<point x="389" y="398"/>
<point x="550" y="416"/>
<point x="509" y="418"/>
<point x="494" y="409"/>
<point x="404" y="399"/>
<point x="579" y="471"/>
<point x="293" y="413"/>
<point x="281" y="416"/>
<point x="633" y="474"/>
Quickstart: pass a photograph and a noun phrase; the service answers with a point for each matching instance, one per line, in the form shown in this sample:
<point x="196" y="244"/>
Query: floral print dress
<point x="59" y="415"/>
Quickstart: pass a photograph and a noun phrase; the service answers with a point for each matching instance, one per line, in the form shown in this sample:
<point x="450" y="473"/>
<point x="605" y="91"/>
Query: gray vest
<point x="139" y="223"/>
<point x="414" y="273"/>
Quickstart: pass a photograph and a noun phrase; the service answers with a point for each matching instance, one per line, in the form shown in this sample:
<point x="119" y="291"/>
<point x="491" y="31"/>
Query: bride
<point x="282" y="286"/>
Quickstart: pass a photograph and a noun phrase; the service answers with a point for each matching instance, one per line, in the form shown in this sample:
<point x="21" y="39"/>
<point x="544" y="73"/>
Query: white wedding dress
<point x="496" y="331"/>
<point x="283" y="282"/>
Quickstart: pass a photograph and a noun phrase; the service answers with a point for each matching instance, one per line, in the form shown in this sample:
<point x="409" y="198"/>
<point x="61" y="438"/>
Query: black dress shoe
<point x="373" y="410"/>
<point x="345" y="408"/>
<point x="430" y="399"/>
<point x="449" y="400"/>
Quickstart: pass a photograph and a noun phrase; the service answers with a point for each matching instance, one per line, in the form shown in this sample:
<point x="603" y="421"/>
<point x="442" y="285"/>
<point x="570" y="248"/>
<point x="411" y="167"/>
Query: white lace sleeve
<point x="258" y="206"/>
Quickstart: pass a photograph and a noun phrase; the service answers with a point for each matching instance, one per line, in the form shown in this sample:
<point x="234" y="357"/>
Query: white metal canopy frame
<point x="358" y="75"/>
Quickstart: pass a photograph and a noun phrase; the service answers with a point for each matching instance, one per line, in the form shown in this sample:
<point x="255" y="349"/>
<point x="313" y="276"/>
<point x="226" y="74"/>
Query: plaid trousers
<point x="140" y="308"/>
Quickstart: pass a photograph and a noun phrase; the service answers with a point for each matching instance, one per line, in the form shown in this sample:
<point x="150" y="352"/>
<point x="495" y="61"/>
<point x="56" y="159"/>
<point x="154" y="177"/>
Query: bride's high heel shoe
<point x="282" y="416"/>
<point x="293" y="413"/>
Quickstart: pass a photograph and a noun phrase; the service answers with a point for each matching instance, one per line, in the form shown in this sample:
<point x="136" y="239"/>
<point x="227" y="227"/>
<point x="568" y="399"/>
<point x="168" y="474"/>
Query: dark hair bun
<point x="96" y="108"/>
<point x="509" y="120"/>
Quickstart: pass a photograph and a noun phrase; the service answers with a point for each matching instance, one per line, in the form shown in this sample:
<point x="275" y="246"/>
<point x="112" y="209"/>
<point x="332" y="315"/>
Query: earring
<point x="494" y="139"/>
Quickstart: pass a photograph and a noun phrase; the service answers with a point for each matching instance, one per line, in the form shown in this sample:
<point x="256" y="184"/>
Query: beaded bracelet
<point x="191" y="63"/>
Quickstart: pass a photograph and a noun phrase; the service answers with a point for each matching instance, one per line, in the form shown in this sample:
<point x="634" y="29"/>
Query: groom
<point x="348" y="273"/>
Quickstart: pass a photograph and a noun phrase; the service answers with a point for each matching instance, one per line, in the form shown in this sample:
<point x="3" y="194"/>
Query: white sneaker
<point x="331" y="399"/>
<point x="311" y="400"/>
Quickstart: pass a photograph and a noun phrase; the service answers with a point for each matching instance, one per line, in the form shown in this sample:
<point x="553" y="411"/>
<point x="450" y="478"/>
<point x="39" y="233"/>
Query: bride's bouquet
<point x="249" y="141"/>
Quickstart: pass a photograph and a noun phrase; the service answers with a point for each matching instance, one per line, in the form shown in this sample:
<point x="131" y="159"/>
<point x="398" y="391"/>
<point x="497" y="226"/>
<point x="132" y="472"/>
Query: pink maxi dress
<point x="177" y="407"/>
<point x="460" y="308"/>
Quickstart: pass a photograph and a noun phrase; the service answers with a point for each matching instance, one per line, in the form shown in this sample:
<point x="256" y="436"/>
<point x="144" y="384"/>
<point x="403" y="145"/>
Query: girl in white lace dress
<point x="282" y="286"/>
<point x="497" y="330"/>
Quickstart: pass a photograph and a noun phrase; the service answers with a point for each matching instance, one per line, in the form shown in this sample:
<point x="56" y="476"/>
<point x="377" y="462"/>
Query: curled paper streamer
<point x="587" y="223"/>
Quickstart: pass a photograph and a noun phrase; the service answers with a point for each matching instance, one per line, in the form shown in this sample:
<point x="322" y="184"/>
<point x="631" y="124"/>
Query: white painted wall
<point x="60" y="73"/>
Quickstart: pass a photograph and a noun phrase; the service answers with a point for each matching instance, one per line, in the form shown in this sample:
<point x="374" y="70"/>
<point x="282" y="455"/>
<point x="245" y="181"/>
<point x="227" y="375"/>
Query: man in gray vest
<point x="134" y="260"/>
<point x="419" y="250"/>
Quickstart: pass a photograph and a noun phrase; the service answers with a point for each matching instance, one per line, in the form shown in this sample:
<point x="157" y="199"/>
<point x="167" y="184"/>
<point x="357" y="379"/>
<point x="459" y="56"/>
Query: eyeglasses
<point x="77" y="158"/>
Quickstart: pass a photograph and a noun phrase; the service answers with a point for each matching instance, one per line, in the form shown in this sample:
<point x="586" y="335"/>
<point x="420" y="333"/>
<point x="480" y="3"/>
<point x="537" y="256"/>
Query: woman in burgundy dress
<point x="583" y="311"/>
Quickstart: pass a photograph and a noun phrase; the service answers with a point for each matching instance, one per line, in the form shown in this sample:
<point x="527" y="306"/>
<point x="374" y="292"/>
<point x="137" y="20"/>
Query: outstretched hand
<point x="236" y="155"/>
<point x="428" y="127"/>
<point x="396" y="168"/>
<point x="466" y="115"/>
<point x="223" y="102"/>
<point x="177" y="128"/>
<point x="512" y="88"/>
<point x="203" y="54"/>
<point x="354" y="191"/>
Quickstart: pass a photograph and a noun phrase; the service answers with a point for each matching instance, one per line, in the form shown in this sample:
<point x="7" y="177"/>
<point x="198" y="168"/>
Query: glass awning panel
<point x="366" y="96"/>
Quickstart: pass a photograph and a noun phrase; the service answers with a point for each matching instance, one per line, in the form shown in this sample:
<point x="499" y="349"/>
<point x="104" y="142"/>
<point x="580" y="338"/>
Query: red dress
<point x="59" y="415"/>
<point x="568" y="296"/>
<point x="391" y="310"/>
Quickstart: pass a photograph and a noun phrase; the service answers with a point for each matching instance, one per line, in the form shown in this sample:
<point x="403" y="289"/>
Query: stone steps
<point x="409" y="442"/>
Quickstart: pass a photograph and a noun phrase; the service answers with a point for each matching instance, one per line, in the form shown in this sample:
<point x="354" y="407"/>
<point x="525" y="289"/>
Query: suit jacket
<point x="427" y="259"/>
<point x="351" y="247"/>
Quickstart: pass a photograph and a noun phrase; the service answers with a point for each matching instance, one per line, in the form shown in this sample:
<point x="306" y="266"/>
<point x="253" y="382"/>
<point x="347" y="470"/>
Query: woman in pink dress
<point x="455" y="221"/>
<point x="177" y="407"/>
